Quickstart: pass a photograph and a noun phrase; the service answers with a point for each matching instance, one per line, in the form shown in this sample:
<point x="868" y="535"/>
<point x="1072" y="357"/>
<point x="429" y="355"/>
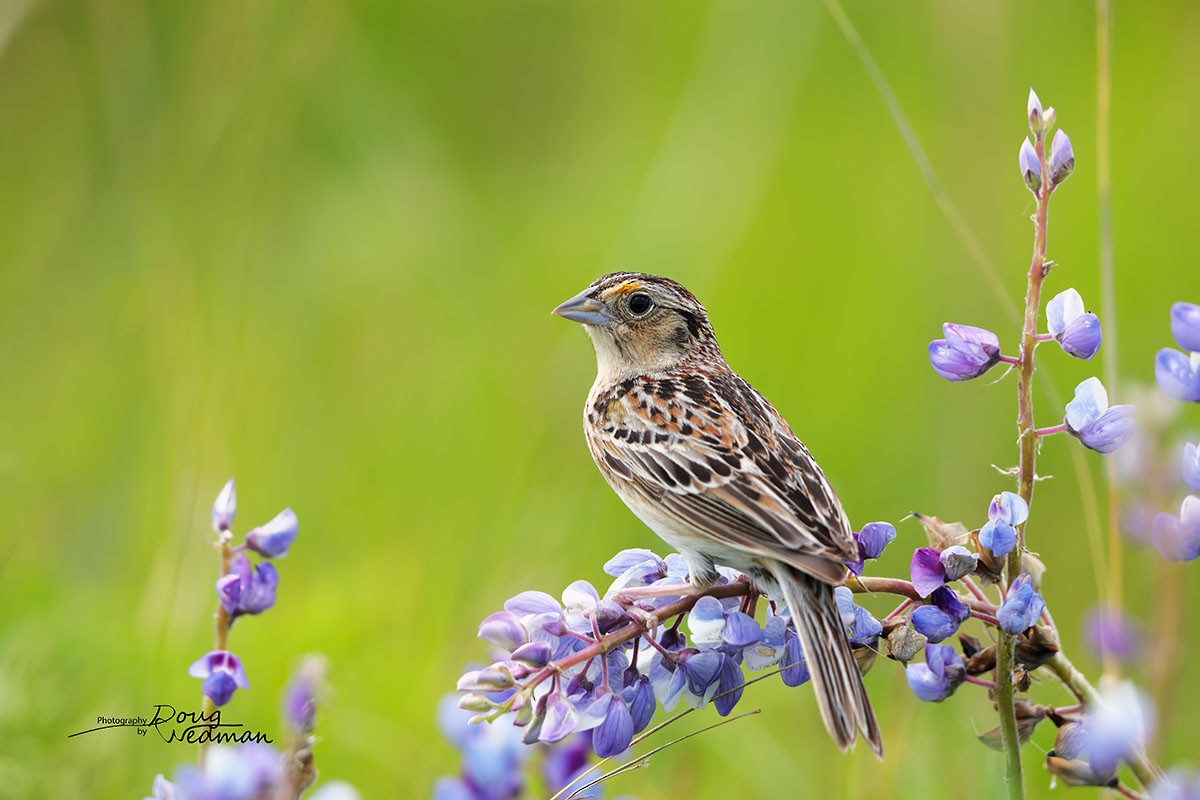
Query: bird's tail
<point x="837" y="681"/>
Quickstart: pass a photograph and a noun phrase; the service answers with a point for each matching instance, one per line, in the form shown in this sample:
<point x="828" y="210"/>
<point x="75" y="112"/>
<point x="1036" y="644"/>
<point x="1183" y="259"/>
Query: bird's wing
<point x="714" y="453"/>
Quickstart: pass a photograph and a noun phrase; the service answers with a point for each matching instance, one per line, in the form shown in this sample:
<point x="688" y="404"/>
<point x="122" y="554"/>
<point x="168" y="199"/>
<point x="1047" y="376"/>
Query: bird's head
<point x="640" y="324"/>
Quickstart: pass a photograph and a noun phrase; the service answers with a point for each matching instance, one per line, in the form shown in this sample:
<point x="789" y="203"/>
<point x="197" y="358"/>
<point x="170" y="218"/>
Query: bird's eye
<point x="640" y="303"/>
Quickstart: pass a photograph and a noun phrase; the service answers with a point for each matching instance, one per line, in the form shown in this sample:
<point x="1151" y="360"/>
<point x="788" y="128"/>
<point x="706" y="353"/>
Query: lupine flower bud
<point x="1191" y="466"/>
<point x="615" y="731"/>
<point x="1178" y="375"/>
<point x="940" y="620"/>
<point x="958" y="561"/>
<point x="1178" y="538"/>
<point x="273" y="539"/>
<point x="927" y="571"/>
<point x="965" y="353"/>
<point x="1076" y="330"/>
<point x="1185" y="325"/>
<point x="1062" y="159"/>
<point x="476" y="703"/>
<point x="1048" y="118"/>
<point x="1099" y="427"/>
<point x="940" y="675"/>
<point x="1022" y="606"/>
<point x="222" y="672"/>
<point x="495" y="678"/>
<point x="1031" y="168"/>
<point x="533" y="654"/>
<point x="224" y="507"/>
<point x="1033" y="110"/>
<point x="871" y="541"/>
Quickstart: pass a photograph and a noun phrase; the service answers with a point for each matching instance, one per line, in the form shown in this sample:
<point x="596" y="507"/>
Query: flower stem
<point x="221" y="624"/>
<point x="1026" y="470"/>
<point x="1053" y="429"/>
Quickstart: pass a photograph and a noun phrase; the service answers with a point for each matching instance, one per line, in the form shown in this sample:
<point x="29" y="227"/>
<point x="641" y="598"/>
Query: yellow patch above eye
<point x="624" y="288"/>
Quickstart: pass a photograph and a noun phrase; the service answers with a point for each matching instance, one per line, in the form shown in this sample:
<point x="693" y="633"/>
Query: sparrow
<point x="710" y="466"/>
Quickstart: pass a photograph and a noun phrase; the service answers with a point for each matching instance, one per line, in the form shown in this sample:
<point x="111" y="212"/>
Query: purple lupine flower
<point x="1191" y="466"/>
<point x="1022" y="606"/>
<point x="1178" y="538"/>
<point x="927" y="571"/>
<point x="1062" y="159"/>
<point x="795" y="667"/>
<point x="696" y="678"/>
<point x="561" y="718"/>
<point x="872" y="540"/>
<point x="1096" y="425"/>
<point x="1178" y="374"/>
<point x="1185" y="325"/>
<point x="706" y="622"/>
<point x="1119" y="726"/>
<point x="861" y="627"/>
<point x="273" y="539"/>
<point x="565" y="762"/>
<point x="941" y="619"/>
<point x="1110" y="633"/>
<point x="999" y="534"/>
<point x="163" y="789"/>
<point x="1031" y="168"/>
<point x="957" y="562"/>
<point x="1076" y="329"/>
<point x="638" y="694"/>
<point x="1033" y="112"/>
<point x="965" y="353"/>
<point x="768" y="650"/>
<point x="937" y="678"/>
<point x="222" y="672"/>
<point x="493" y="756"/>
<point x="245" y="590"/>
<point x="232" y="773"/>
<point x="224" y="507"/>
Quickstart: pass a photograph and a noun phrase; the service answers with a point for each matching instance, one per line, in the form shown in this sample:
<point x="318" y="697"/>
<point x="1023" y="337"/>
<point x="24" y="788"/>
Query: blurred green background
<point x="314" y="245"/>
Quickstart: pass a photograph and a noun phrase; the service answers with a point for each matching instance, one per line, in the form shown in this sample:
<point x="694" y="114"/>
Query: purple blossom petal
<point x="927" y="571"/>
<point x="1008" y="507"/>
<point x="1191" y="466"/>
<point x="937" y="678"/>
<point x="730" y="681"/>
<point x="948" y="601"/>
<point x="795" y="668"/>
<point x="702" y="670"/>
<point x="503" y="629"/>
<point x="1082" y="337"/>
<point x="741" y="630"/>
<point x="997" y="536"/>
<point x="706" y="622"/>
<point x="874" y="538"/>
<point x="934" y="623"/>
<point x="1185" y="325"/>
<point x="1178" y="375"/>
<point x="1120" y="726"/>
<point x="533" y="654"/>
<point x="615" y="732"/>
<point x="224" y="507"/>
<point x="273" y="539"/>
<point x="1091" y="400"/>
<point x="966" y="352"/>
<point x="1063" y="309"/>
<point x="532" y="603"/>
<point x="261" y="593"/>
<point x="1022" y="606"/>
<point x="1178" y="538"/>
<point x="1062" y="158"/>
<point x="561" y="719"/>
<point x="1113" y="430"/>
<point x="219" y="687"/>
<point x="229" y="591"/>
<point x="640" y="698"/>
<point x="624" y="560"/>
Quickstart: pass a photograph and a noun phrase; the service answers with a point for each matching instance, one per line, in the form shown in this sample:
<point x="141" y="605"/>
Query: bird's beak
<point x="585" y="309"/>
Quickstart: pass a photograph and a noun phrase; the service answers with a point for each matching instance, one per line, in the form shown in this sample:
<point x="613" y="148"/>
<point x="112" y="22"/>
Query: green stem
<point x="1026" y="471"/>
<point x="221" y="624"/>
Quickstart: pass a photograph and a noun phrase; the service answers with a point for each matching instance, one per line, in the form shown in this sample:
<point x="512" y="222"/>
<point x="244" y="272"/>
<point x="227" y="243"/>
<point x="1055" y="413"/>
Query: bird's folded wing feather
<point x="723" y="461"/>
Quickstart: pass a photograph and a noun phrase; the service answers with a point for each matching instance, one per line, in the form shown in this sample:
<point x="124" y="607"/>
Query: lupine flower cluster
<point x="1177" y="538"/>
<point x="252" y="770"/>
<point x="552" y="680"/>
<point x="598" y="665"/>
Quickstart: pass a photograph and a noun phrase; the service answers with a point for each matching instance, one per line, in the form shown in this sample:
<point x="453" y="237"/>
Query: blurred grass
<point x="315" y="245"/>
